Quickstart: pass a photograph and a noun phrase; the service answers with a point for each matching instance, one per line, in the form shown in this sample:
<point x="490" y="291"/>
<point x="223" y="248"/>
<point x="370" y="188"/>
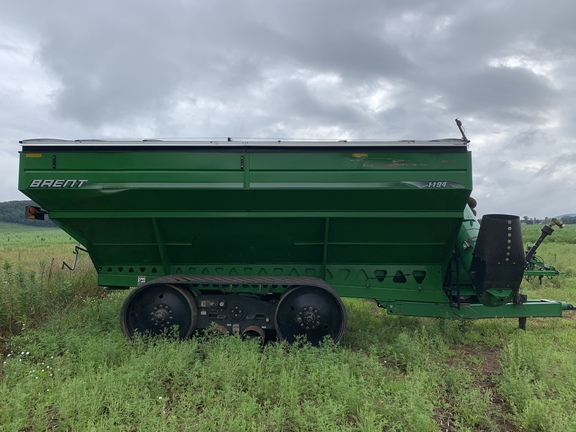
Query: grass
<point x="66" y="365"/>
<point x="33" y="285"/>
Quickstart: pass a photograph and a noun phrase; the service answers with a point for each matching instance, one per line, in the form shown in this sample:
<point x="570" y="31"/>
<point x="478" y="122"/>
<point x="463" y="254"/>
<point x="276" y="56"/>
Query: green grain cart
<point x="263" y="238"/>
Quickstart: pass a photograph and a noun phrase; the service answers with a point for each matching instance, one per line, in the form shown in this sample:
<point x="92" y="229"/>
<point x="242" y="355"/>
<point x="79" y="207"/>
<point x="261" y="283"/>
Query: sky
<point x="324" y="69"/>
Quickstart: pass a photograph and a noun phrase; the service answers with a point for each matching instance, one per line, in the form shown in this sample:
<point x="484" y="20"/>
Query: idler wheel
<point x="310" y="312"/>
<point x="156" y="308"/>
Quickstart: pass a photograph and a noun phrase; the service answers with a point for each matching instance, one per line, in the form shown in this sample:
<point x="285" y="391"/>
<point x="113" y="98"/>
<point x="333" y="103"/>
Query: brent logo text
<point x="44" y="183"/>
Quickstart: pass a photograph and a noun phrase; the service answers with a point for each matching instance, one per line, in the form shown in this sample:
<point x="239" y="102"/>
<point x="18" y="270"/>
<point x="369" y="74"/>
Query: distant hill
<point x="13" y="212"/>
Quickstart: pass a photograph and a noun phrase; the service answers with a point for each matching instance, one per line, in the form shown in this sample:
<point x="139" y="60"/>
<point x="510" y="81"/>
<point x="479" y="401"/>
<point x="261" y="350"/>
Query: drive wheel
<point x="156" y="308"/>
<point x="310" y="312"/>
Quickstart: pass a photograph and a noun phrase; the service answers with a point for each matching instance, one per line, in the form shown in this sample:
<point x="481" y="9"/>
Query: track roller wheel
<point x="310" y="311"/>
<point x="154" y="309"/>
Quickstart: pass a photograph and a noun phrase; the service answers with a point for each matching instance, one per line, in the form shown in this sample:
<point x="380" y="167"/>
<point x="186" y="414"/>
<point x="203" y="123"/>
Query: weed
<point x="66" y="365"/>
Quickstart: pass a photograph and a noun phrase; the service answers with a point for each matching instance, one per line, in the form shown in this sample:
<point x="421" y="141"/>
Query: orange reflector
<point x="33" y="155"/>
<point x="33" y="212"/>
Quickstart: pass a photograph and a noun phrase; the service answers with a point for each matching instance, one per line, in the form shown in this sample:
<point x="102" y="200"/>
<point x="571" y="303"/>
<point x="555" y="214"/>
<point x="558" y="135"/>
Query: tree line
<point x="567" y="219"/>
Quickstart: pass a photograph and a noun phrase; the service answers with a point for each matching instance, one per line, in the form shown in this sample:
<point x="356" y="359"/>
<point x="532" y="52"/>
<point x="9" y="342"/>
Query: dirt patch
<point x="483" y="364"/>
<point x="444" y="418"/>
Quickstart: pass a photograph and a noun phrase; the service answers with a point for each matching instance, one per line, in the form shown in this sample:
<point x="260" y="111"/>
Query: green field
<point x="66" y="366"/>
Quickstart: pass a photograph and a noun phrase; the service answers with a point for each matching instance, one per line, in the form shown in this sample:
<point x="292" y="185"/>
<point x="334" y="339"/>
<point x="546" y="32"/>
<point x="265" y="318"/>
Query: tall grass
<point x="66" y="365"/>
<point x="79" y="373"/>
<point x="33" y="286"/>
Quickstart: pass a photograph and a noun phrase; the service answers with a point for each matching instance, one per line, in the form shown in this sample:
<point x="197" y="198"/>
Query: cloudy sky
<point x="304" y="69"/>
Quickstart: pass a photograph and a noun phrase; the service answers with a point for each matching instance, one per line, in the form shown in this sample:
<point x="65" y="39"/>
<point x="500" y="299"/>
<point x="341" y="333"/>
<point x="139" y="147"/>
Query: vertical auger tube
<point x="467" y="239"/>
<point x="498" y="260"/>
<point x="459" y="271"/>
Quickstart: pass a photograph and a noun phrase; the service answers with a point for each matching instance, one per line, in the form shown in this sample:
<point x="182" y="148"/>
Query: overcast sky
<point x="304" y="69"/>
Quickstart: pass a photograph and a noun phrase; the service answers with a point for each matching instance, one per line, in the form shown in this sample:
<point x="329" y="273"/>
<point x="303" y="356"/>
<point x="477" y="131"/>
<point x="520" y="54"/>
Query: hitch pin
<point x="77" y="248"/>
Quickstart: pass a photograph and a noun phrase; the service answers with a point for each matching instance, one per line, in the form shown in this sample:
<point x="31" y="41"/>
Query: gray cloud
<point x="505" y="94"/>
<point x="326" y="69"/>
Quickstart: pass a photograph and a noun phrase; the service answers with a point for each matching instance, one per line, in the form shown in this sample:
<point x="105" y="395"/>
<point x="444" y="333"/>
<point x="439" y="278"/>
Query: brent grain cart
<point x="263" y="238"/>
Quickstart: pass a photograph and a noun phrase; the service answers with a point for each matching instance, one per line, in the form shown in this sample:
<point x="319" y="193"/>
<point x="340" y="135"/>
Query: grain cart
<point x="263" y="238"/>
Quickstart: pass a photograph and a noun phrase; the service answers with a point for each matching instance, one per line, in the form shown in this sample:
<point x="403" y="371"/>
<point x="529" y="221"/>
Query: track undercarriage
<point x="287" y="308"/>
